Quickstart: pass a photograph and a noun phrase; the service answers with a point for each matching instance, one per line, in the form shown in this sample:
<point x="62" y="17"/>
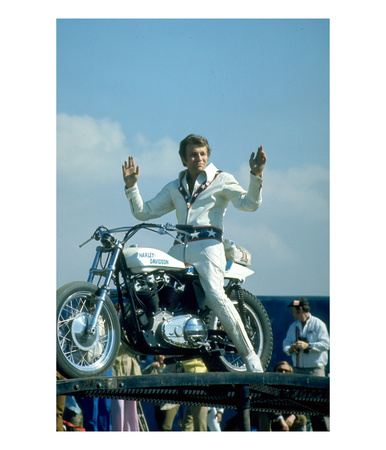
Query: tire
<point x="258" y="327"/>
<point x="80" y="355"/>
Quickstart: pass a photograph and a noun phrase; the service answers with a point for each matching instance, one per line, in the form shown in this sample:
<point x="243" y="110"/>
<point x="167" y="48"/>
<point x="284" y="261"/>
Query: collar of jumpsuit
<point x="207" y="175"/>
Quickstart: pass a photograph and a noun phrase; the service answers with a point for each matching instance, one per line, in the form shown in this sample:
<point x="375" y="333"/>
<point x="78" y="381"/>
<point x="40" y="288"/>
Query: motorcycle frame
<point x="114" y="246"/>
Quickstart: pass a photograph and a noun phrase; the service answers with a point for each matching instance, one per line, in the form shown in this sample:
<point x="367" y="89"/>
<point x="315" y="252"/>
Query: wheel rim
<point x="232" y="360"/>
<point x="84" y="351"/>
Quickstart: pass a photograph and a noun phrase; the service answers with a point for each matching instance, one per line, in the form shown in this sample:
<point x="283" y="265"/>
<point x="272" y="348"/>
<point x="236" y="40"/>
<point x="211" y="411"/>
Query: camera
<point x="304" y="339"/>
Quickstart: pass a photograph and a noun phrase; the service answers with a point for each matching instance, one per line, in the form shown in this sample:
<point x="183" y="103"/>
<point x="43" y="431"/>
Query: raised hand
<point x="130" y="172"/>
<point x="257" y="164"/>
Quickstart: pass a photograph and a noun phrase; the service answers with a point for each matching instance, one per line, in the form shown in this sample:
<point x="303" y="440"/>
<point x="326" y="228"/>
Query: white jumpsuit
<point x="205" y="208"/>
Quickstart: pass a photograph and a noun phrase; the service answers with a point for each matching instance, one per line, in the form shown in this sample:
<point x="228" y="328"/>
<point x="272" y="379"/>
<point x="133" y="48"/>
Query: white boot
<point x="253" y="363"/>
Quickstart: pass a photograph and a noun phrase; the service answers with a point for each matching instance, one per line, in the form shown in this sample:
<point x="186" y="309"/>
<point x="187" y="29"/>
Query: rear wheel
<point x="258" y="327"/>
<point x="80" y="354"/>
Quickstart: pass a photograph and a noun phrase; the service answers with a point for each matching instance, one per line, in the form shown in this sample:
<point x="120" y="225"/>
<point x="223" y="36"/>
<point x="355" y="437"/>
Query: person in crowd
<point x="124" y="413"/>
<point x="307" y="342"/>
<point x="279" y="422"/>
<point x="214" y="418"/>
<point x="289" y="422"/>
<point x="60" y="406"/>
<point x="195" y="416"/>
<point x="164" y="413"/>
<point x="96" y="411"/>
<point x="283" y="367"/>
<point x="156" y="367"/>
<point x="200" y="196"/>
<point x="73" y="415"/>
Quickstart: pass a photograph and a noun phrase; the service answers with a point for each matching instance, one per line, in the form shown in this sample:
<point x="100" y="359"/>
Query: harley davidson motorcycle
<point x="155" y="304"/>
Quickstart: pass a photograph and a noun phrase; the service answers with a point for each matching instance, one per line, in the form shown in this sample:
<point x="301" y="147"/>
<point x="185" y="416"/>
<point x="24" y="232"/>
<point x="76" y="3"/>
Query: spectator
<point x="195" y="416"/>
<point x="308" y="343"/>
<point x="73" y="415"/>
<point x="289" y="422"/>
<point x="283" y="367"/>
<point x="124" y="414"/>
<point x="214" y="418"/>
<point x="165" y="413"/>
<point x="96" y="411"/>
<point x="279" y="422"/>
<point x="60" y="405"/>
<point x="156" y="367"/>
<point x="307" y="340"/>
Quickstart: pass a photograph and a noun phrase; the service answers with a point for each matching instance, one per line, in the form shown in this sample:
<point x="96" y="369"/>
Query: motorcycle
<point x="155" y="305"/>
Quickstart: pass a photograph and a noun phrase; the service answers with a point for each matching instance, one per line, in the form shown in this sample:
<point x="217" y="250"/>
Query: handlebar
<point x="101" y="232"/>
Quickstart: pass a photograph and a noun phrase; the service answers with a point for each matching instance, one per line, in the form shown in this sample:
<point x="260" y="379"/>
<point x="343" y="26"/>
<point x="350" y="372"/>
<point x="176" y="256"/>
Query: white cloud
<point x="272" y="243"/>
<point x="92" y="150"/>
<point x="88" y="149"/>
<point x="299" y="192"/>
<point x="159" y="159"/>
<point x="257" y="236"/>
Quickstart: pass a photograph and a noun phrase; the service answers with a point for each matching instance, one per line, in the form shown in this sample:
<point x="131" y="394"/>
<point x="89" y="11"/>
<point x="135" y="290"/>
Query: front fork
<point x="104" y="289"/>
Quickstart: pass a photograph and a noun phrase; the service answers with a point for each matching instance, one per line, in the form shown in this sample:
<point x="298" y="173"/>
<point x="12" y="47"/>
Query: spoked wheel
<point x="80" y="353"/>
<point x="258" y="327"/>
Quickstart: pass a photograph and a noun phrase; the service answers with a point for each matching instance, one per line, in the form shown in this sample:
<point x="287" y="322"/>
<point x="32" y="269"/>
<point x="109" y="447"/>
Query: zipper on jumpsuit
<point x="188" y="205"/>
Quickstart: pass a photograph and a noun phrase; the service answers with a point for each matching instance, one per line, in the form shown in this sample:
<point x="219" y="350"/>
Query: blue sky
<point x="139" y="86"/>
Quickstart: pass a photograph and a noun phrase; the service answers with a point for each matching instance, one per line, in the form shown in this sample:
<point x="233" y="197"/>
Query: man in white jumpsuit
<point x="200" y="197"/>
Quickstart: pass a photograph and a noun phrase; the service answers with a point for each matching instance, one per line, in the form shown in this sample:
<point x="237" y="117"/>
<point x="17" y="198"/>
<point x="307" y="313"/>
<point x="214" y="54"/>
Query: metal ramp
<point x="245" y="392"/>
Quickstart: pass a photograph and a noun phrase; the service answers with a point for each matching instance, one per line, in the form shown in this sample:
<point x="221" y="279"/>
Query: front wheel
<point x="258" y="327"/>
<point x="80" y="354"/>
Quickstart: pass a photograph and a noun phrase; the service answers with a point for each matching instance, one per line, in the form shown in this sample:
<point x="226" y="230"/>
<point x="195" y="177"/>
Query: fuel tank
<point x="145" y="259"/>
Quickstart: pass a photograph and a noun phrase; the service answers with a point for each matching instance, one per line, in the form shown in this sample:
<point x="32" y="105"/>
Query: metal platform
<point x="263" y="392"/>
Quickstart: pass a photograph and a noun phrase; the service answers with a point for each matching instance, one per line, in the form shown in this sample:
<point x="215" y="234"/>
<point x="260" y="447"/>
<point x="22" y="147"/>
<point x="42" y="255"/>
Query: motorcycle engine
<point x="184" y="331"/>
<point x="158" y="295"/>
